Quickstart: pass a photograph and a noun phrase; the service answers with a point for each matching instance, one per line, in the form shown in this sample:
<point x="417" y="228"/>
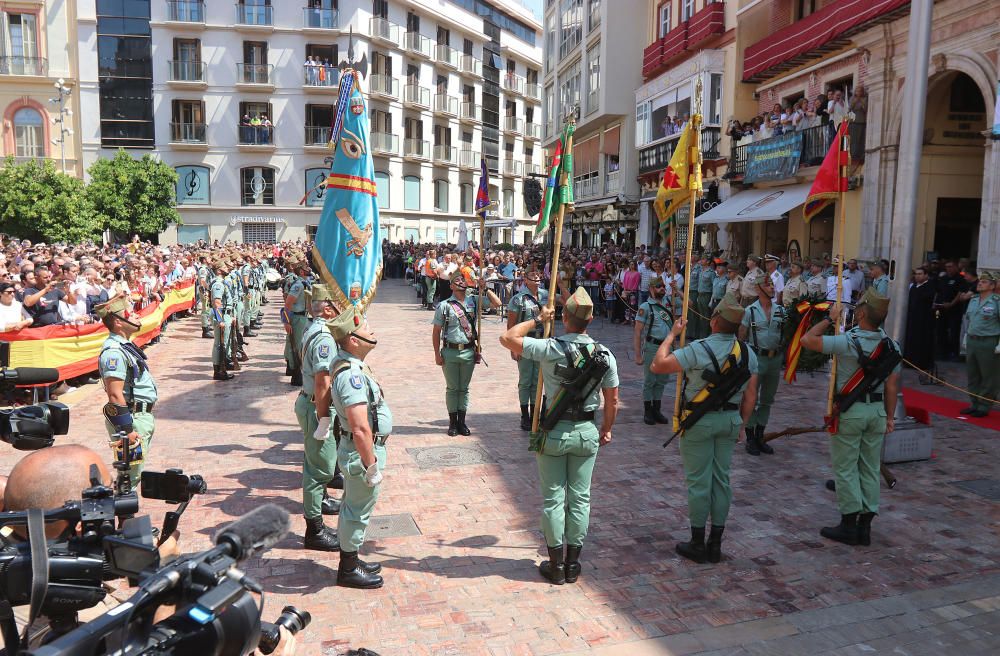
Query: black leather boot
<point x="659" y="416"/>
<point x="752" y="447"/>
<point x="865" y="528"/>
<point x="525" y="418"/>
<point x="288" y="369"/>
<point x="241" y="354"/>
<point x="554" y="569"/>
<point x="319" y="537"/>
<point x="221" y="373"/>
<point x="296" y="380"/>
<point x="647" y="413"/>
<point x="462" y="428"/>
<point x="573" y="567"/>
<point x="695" y="549"/>
<point x="337" y="482"/>
<point x="831" y="485"/>
<point x="207" y="333"/>
<point x="370" y="568"/>
<point x="248" y="333"/>
<point x="350" y="573"/>
<point x="846" y="531"/>
<point x="764" y="447"/>
<point x="714" y="545"/>
<point x="330" y="506"/>
<point x="452" y="424"/>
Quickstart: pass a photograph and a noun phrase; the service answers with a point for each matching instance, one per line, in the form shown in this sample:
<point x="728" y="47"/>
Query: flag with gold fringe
<point x="682" y="176"/>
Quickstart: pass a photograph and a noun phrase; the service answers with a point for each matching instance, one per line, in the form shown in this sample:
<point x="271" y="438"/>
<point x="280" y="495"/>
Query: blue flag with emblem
<point x="347" y="252"/>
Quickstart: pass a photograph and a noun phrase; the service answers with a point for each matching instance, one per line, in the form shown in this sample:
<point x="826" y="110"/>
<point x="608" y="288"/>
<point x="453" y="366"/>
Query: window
<point x="319" y="118"/>
<point x="259" y="233"/>
<point x="187" y="66"/>
<point x="594" y="11"/>
<point x="550" y="47"/>
<point x="187" y="122"/>
<point x="257" y="184"/>
<point x="508" y="202"/>
<point x="125" y="73"/>
<point x="714" y="99"/>
<point x="550" y="109"/>
<point x="465" y="198"/>
<point x="29" y="133"/>
<point x="664" y="19"/>
<point x="443" y="36"/>
<point x="382" y="189"/>
<point x="381" y="121"/>
<point x="667" y="111"/>
<point x="380" y="8"/>
<point x="255" y="126"/>
<point x="21" y="37"/>
<point x="593" y="77"/>
<point x="193" y="185"/>
<point x="440" y="195"/>
<point x="411" y="192"/>
<point x="569" y="88"/>
<point x="687" y="10"/>
<point x="571" y="25"/>
<point x="804" y="8"/>
<point x="315" y="191"/>
<point x="641" y="124"/>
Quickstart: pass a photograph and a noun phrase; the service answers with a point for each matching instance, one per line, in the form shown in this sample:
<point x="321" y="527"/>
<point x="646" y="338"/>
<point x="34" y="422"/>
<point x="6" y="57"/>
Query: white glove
<point x="322" y="429"/>
<point x="372" y="475"/>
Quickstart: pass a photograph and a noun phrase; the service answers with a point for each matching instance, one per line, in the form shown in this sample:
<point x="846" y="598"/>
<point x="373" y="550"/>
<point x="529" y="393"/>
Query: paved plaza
<point x="457" y="527"/>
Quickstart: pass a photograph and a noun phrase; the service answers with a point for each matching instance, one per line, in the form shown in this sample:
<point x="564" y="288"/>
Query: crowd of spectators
<point x="828" y="109"/>
<point x="256" y="129"/>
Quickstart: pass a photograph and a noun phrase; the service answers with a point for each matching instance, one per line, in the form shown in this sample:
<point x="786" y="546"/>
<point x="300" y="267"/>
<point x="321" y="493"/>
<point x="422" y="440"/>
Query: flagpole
<point x="482" y="270"/>
<point x="841" y="227"/>
<point x="536" y="413"/>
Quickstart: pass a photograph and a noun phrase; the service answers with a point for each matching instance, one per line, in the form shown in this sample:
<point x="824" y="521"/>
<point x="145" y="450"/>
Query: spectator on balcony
<point x="735" y="131"/>
<point x="266" y="129"/>
<point x="798" y="115"/>
<point x="774" y="120"/>
<point x="837" y="109"/>
<point x="326" y="73"/>
<point x="312" y="76"/>
<point x="667" y="126"/>
<point x="810" y="117"/>
<point x="859" y="104"/>
<point x="246" y="132"/>
<point x="820" y="105"/>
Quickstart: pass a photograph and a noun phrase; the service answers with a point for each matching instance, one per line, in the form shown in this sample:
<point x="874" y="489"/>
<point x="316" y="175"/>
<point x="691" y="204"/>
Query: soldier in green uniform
<point x="880" y="281"/>
<point x="454" y="340"/>
<point x="222" y="313"/>
<point x="312" y="409"/>
<point x="981" y="357"/>
<point x="249" y="312"/>
<point x="762" y="327"/>
<point x="719" y="284"/>
<point x="364" y="422"/>
<point x="856" y="446"/>
<point x="295" y="307"/>
<point x="129" y="385"/>
<point x="286" y="318"/>
<point x="704" y="298"/>
<point x="203" y="292"/>
<point x="695" y="327"/>
<point x="652" y="324"/>
<point x="569" y="452"/>
<point x="707" y="446"/>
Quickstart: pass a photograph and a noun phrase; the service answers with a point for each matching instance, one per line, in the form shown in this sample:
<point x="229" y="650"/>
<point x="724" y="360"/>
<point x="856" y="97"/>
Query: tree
<point x="39" y="203"/>
<point x="133" y="196"/>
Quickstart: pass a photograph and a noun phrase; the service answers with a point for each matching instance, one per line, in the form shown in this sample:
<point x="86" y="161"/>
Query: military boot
<point x="865" y="528"/>
<point x="554" y="569"/>
<point x="319" y="537"/>
<point x="452" y="424"/>
<point x="329" y="505"/>
<point x="846" y="531"/>
<point x="221" y="373"/>
<point x="207" y="333"/>
<point x="764" y="447"/>
<point x="573" y="563"/>
<point x="647" y="413"/>
<point x="296" y="380"/>
<point x="462" y="428"/>
<point x="351" y="574"/>
<point x="248" y="333"/>
<point x="370" y="568"/>
<point x="752" y="447"/>
<point x="337" y="482"/>
<point x="525" y="418"/>
<point x="659" y="416"/>
<point x="695" y="549"/>
<point x="714" y="545"/>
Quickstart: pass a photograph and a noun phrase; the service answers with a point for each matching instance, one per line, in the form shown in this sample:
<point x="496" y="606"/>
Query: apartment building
<point x="240" y="98"/>
<point x="591" y="50"/>
<point x="37" y="57"/>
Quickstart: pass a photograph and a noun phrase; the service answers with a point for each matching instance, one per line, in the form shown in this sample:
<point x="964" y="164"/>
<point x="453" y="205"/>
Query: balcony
<point x="586" y="186"/>
<point x="445" y="155"/>
<point x="255" y="17"/>
<point x="321" y="79"/>
<point x="823" y="31"/>
<point x="533" y="91"/>
<point x="658" y="56"/>
<point x="317" y="135"/>
<point x="469" y="65"/>
<point x="187" y="133"/>
<point x="255" y="76"/>
<point x="316" y="18"/>
<point x="446" y="56"/>
<point x="416" y="149"/>
<point x="260" y="137"/>
<point x="532" y="131"/>
<point x="416" y="96"/>
<point x="382" y="30"/>
<point x="706" y="23"/>
<point x="417" y="44"/>
<point x="655" y="157"/>
<point x="612" y="185"/>
<point x="512" y="167"/>
<point x="470" y="112"/>
<point x="187" y="73"/>
<point x="469" y="159"/>
<point x="384" y="86"/>
<point x="513" y="125"/>
<point x="35" y="66"/>
<point x="186" y="11"/>
<point x="514" y="84"/>
<point x="445" y="105"/>
<point x="815" y="143"/>
<point x="384" y="143"/>
<point x="532" y="168"/>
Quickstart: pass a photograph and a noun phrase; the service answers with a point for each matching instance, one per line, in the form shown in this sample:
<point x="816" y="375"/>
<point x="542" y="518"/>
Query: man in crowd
<point x="762" y="327"/>
<point x="918" y="347"/>
<point x="222" y="304"/>
<point x="951" y="308"/>
<point x="42" y="301"/>
<point x="795" y="286"/>
<point x="704" y="299"/>
<point x="429" y="267"/>
<point x="816" y="285"/>
<point x="981" y="358"/>
<point x="880" y="281"/>
<point x="652" y="324"/>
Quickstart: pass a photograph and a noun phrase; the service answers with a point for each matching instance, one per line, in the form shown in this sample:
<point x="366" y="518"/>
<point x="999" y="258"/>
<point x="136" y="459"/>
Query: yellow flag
<point x="683" y="174"/>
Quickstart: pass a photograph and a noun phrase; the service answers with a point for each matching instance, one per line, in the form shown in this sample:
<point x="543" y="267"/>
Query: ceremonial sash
<point x="463" y="321"/>
<point x="794" y="350"/>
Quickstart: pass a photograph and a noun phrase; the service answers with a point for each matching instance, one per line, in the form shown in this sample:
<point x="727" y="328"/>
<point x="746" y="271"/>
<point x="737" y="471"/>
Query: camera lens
<point x="293" y="619"/>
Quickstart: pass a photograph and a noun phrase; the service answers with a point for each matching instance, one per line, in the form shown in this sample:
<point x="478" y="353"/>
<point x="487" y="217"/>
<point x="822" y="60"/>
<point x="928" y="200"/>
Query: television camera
<point x="35" y="426"/>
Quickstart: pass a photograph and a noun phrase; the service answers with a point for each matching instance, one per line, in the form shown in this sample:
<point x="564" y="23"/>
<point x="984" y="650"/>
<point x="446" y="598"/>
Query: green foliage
<point x="39" y="203"/>
<point x="133" y="196"/>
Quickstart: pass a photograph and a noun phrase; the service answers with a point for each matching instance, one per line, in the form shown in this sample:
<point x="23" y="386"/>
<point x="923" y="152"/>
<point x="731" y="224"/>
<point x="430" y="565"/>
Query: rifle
<point x="887" y="475"/>
<point x="234" y="345"/>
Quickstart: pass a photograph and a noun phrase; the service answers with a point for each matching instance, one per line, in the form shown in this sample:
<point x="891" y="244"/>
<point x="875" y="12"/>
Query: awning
<point x="767" y="204"/>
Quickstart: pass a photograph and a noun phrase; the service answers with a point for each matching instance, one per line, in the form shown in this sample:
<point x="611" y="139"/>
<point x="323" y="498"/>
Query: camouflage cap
<point x="580" y="305"/>
<point x="755" y="258"/>
<point x="345" y="323"/>
<point x="877" y="301"/>
<point x="729" y="309"/>
<point x="117" y="305"/>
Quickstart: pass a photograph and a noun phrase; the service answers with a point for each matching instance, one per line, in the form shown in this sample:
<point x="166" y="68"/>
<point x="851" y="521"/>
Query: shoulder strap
<point x="753" y="327"/>
<point x="472" y="324"/>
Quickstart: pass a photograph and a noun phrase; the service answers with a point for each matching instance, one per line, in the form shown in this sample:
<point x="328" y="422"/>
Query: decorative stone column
<point x="989" y="220"/>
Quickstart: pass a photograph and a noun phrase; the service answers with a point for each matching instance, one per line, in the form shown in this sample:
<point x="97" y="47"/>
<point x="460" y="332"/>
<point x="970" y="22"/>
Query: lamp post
<point x="63" y="92"/>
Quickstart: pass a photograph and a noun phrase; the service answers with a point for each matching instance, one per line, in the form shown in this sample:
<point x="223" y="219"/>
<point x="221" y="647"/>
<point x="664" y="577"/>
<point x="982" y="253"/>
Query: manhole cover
<point x="392" y="526"/>
<point x="984" y="487"/>
<point x="432" y="457"/>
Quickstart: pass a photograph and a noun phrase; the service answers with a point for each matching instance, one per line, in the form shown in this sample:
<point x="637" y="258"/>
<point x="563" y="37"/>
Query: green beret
<point x="729" y="309"/>
<point x="580" y="305"/>
<point x="345" y="323"/>
<point x="117" y="305"/>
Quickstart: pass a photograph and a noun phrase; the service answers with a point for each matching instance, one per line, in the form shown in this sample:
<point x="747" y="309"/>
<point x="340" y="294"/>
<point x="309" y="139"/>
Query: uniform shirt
<point x="719" y="286"/>
<point x="450" y="319"/>
<point x="984" y="316"/>
<point x="794" y="288"/>
<point x="220" y="292"/>
<point x="734" y="286"/>
<point x="655" y="320"/>
<point x="119" y="361"/>
<point x="749" y="287"/>
<point x="816" y="285"/>
<point x="694" y="360"/>
<point x="847" y="360"/>
<point x="297" y="289"/>
<point x="526" y="305"/>
<point x="318" y="350"/>
<point x="881" y="285"/>
<point x="355" y="385"/>
<point x="768" y="329"/>
<point x="549" y="354"/>
<point x="705" y="279"/>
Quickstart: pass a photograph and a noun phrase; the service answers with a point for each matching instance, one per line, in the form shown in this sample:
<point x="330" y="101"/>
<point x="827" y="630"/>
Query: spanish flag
<point x="831" y="179"/>
<point x="682" y="177"/>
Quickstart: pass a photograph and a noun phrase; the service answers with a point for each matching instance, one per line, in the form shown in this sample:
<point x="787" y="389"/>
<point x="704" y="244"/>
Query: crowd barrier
<point x="73" y="350"/>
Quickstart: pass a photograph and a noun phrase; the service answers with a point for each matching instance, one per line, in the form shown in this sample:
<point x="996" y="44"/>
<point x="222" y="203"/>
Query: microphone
<point x="255" y="532"/>
<point x="30" y="375"/>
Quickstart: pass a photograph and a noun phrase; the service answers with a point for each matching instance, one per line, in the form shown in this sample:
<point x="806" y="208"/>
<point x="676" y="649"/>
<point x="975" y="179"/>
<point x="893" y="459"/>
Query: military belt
<point x="456" y="346"/>
<point x="141" y="406"/>
<point x="983" y="337"/>
<point x="653" y="340"/>
<point x="725" y="407"/>
<point x="871" y="397"/>
<point x="378" y="440"/>
<point x="768" y="353"/>
<point x="299" y="314"/>
<point x="309" y="397"/>
<point x="578" y="415"/>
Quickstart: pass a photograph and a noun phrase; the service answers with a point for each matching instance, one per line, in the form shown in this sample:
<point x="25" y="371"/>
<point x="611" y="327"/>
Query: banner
<point x="776" y="158"/>
<point x="73" y="350"/>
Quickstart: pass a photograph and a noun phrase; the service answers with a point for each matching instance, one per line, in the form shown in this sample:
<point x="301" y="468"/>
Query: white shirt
<point x="831" y="290"/>
<point x="80" y="290"/>
<point x="11" y="314"/>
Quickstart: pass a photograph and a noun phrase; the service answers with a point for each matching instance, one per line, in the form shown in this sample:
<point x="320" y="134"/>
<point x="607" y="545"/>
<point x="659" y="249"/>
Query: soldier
<point x="694" y="276"/>
<point x="707" y="445"/>
<point x="364" y="423"/>
<point x="795" y="287"/>
<point x="981" y="362"/>
<point x="129" y="385"/>
<point x="704" y="298"/>
<point x="312" y="409"/>
<point x="719" y="283"/>
<point x="880" y="281"/>
<point x="652" y="324"/>
<point x="249" y="310"/>
<point x="735" y="282"/>
<point x="771" y="262"/>
<point x="817" y="281"/>
<point x="203" y="292"/>
<point x="748" y="291"/>
<point x="568" y="452"/>
<point x="287" y="282"/>
<point x="455" y="322"/>
<point x="763" y="326"/>
<point x="524" y="305"/>
<point x="295" y="308"/>
<point x="222" y="308"/>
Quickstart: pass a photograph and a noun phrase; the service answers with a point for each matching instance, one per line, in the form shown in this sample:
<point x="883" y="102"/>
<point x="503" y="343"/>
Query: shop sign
<point x="238" y="219"/>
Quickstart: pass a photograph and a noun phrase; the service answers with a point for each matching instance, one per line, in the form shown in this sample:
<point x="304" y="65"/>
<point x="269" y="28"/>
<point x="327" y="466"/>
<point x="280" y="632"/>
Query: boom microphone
<point x="255" y="532"/>
<point x="30" y="375"/>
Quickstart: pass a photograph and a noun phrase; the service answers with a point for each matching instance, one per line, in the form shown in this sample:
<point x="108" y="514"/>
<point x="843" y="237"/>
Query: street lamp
<point x="63" y="92"/>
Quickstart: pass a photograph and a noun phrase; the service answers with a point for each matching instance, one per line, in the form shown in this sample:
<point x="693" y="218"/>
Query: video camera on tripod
<point x="35" y="426"/>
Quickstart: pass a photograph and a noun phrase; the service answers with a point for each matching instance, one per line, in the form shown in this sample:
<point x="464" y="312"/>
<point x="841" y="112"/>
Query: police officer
<point x="524" y="305"/>
<point x="567" y="457"/>
<point x="762" y="327"/>
<point x="222" y="309"/>
<point x="128" y="383"/>
<point x="454" y="339"/>
<point x="295" y="307"/>
<point x="365" y="422"/>
<point x="312" y="409"/>
<point x="981" y="359"/>
<point x="652" y="324"/>
<point x="707" y="446"/>
<point x="856" y="446"/>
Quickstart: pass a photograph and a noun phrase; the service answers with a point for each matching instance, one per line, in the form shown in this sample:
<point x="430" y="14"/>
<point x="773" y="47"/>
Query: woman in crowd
<point x="630" y="287"/>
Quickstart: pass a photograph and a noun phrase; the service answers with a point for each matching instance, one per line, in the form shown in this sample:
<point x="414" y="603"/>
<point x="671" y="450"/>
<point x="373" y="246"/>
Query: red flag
<point x="831" y="179"/>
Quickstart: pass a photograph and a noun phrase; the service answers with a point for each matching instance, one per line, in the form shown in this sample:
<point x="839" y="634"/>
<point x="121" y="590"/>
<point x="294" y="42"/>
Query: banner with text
<point x="776" y="158"/>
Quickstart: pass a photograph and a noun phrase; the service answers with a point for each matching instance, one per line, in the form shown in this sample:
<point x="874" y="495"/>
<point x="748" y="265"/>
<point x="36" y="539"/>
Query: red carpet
<point x="920" y="403"/>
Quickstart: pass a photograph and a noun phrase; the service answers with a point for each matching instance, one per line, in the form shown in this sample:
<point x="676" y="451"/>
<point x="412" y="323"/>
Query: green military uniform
<point x="458" y="350"/>
<point x="525" y="306"/>
<point x="764" y="334"/>
<point x="981" y="356"/>
<point x="695" y="329"/>
<point x="719" y="285"/>
<point x="881" y="285"/>
<point x="221" y="291"/>
<point x="299" y="323"/>
<point x="204" y="298"/>
<point x="704" y="299"/>
<point x="655" y="321"/>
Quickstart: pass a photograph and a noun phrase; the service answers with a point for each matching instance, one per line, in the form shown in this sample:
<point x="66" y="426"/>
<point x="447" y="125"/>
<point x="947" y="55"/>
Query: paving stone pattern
<point x="467" y="582"/>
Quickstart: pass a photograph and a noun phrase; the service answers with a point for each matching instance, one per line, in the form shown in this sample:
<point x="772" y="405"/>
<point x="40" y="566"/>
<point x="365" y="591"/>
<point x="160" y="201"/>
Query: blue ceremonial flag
<point x="483" y="195"/>
<point x="347" y="252"/>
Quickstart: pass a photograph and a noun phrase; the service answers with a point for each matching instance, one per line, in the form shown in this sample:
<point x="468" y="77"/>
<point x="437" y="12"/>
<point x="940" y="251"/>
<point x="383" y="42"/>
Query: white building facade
<point x="240" y="100"/>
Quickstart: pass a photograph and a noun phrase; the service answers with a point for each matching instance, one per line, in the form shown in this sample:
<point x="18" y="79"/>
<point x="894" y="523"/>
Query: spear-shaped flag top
<point x="831" y="179"/>
<point x="682" y="176"/>
<point x="555" y="193"/>
<point x="483" y="195"/>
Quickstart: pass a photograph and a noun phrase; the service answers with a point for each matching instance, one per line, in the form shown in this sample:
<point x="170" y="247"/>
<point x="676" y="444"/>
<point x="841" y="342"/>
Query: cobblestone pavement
<point x="461" y="577"/>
